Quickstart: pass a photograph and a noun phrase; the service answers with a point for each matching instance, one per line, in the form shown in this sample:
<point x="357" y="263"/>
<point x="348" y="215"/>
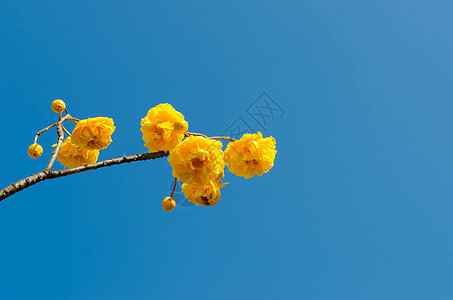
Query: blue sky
<point x="358" y="205"/>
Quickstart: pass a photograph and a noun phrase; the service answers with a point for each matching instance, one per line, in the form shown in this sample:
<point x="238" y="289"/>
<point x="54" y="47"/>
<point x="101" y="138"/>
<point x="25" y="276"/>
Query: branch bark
<point x="51" y="174"/>
<point x="60" y="141"/>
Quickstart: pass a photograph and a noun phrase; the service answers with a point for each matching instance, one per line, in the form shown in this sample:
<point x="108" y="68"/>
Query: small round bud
<point x="35" y="150"/>
<point x="58" y="106"/>
<point x="181" y="127"/>
<point x="168" y="204"/>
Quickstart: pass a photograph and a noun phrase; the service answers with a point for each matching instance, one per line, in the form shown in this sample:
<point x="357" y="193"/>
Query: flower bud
<point x="58" y="106"/>
<point x="168" y="204"/>
<point x="35" y="150"/>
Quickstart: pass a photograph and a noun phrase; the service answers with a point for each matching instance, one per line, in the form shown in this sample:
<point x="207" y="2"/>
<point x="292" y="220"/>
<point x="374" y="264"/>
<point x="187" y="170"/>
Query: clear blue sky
<point x="359" y="204"/>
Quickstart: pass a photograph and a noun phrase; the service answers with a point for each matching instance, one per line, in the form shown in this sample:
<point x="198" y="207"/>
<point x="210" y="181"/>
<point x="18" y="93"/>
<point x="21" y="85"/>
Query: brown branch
<point x="60" y="141"/>
<point x="50" y="174"/>
<point x="60" y="133"/>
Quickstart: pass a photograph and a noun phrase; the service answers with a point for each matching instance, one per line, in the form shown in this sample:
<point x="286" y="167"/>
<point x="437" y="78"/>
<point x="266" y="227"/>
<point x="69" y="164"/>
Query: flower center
<point x="93" y="143"/>
<point x="205" y="201"/>
<point x="252" y="163"/>
<point x="197" y="163"/>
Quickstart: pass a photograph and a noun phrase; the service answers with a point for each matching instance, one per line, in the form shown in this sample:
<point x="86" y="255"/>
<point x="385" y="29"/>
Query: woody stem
<point x="60" y="140"/>
<point x="51" y="174"/>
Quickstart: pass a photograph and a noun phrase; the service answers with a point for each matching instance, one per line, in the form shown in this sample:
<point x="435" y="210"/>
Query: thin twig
<point x="67" y="117"/>
<point x="174" y="188"/>
<point x="65" y="130"/>
<point x="197" y="134"/>
<point x="50" y="174"/>
<point x="226" y="138"/>
<point x="42" y="130"/>
<point x="75" y="120"/>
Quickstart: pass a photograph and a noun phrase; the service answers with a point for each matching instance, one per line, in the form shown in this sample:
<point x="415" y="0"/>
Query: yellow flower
<point x="197" y="160"/>
<point x="206" y="194"/>
<point x="158" y="128"/>
<point x="72" y="156"/>
<point x="250" y="155"/>
<point x="93" y="133"/>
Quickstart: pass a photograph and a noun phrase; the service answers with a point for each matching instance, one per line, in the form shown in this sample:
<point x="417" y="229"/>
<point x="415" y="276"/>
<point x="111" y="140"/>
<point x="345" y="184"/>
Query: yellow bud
<point x="181" y="127"/>
<point x="35" y="150"/>
<point x="58" y="106"/>
<point x="168" y="204"/>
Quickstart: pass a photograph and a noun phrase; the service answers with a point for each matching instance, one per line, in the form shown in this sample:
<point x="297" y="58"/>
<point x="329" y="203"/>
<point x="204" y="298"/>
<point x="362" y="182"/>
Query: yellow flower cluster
<point x="93" y="133"/>
<point x="163" y="128"/>
<point x="72" y="156"/>
<point x="198" y="161"/>
<point x="82" y="146"/>
<point x="250" y="155"/>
